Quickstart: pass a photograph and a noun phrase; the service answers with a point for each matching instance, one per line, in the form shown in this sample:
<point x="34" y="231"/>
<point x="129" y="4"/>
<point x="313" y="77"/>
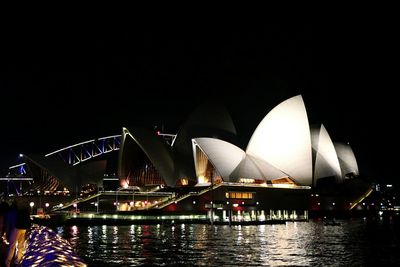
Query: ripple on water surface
<point x="353" y="243"/>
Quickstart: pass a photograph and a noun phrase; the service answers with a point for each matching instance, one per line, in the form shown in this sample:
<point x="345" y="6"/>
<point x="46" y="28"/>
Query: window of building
<point x="239" y="195"/>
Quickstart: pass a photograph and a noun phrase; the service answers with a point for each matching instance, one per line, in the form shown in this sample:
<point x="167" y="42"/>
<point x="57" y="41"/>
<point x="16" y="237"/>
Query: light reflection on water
<point x="311" y="243"/>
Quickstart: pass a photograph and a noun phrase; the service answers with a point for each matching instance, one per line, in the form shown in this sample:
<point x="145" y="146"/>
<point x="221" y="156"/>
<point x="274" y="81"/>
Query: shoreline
<point x="57" y="221"/>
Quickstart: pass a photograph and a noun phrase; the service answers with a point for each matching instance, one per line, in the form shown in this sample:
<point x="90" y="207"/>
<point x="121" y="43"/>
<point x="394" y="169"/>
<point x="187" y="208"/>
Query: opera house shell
<point x="283" y="150"/>
<point x="273" y="177"/>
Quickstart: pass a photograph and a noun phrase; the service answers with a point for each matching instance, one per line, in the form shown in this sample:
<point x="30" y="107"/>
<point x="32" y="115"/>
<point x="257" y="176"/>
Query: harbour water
<point x="354" y="242"/>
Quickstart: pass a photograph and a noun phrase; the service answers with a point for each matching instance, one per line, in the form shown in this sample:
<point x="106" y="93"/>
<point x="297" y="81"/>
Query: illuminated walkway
<point x="47" y="248"/>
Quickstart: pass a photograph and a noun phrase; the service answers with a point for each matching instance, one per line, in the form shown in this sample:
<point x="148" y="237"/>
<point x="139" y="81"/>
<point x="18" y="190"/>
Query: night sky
<point x="65" y="84"/>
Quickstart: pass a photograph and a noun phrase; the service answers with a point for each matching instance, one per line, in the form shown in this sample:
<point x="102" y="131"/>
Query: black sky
<point x="65" y="84"/>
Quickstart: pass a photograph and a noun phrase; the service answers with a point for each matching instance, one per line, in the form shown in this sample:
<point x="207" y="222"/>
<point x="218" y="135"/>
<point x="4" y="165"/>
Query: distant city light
<point x="21" y="155"/>
<point x="389" y="185"/>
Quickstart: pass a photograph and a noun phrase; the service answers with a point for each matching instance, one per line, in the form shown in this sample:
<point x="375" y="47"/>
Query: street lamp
<point x="97" y="204"/>
<point x="47" y="206"/>
<point x="116" y="199"/>
<point x="31" y="204"/>
<point x="133" y="198"/>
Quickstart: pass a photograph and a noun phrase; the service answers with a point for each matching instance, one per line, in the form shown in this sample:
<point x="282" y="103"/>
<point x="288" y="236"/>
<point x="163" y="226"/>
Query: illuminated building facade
<point x="271" y="179"/>
<point x="202" y="170"/>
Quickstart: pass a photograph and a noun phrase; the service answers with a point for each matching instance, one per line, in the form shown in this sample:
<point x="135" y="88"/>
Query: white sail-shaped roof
<point x="283" y="140"/>
<point x="254" y="168"/>
<point x="232" y="163"/>
<point x="270" y="172"/>
<point x="326" y="160"/>
<point x="224" y="156"/>
<point x="156" y="150"/>
<point x="347" y="160"/>
<point x="247" y="168"/>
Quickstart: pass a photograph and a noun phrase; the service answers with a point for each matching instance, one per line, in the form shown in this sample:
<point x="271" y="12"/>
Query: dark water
<point x="353" y="243"/>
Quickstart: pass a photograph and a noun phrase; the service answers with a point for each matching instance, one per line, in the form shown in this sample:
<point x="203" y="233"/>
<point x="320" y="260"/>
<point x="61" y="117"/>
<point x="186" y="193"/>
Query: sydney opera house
<point x="201" y="169"/>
